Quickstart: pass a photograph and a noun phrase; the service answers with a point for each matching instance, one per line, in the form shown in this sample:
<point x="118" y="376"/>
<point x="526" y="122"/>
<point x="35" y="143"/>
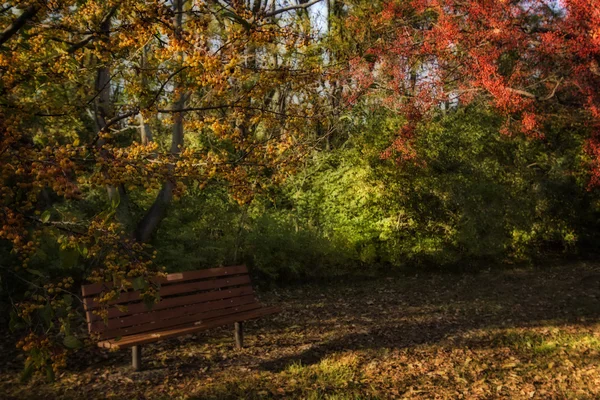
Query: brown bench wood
<point x="190" y="302"/>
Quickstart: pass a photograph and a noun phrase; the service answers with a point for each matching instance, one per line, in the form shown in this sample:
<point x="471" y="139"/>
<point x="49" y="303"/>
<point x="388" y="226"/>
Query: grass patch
<point x="332" y="373"/>
<point x="549" y="342"/>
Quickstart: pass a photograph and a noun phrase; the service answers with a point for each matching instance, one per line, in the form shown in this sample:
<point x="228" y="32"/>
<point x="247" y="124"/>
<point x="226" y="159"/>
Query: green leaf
<point x="46" y="314"/>
<point x="82" y="248"/>
<point x="61" y="312"/>
<point x="69" y="258"/>
<point x="121" y="307"/>
<point x="66" y="327"/>
<point x="106" y="214"/>
<point x="50" y="373"/>
<point x="234" y="17"/>
<point x="116" y="200"/>
<point x="45" y="216"/>
<point x="370" y="57"/>
<point x="109" y="215"/>
<point x="15" y="322"/>
<point x="149" y="302"/>
<point x="139" y="283"/>
<point x="71" y="342"/>
<point x="27" y="372"/>
<point x="36" y="272"/>
<point x="68" y="299"/>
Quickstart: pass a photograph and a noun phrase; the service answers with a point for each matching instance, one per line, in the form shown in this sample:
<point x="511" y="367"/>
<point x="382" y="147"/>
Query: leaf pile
<point x="516" y="334"/>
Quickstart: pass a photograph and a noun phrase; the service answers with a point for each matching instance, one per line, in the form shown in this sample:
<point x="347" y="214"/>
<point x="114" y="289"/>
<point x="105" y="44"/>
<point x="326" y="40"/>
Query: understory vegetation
<point x="474" y="199"/>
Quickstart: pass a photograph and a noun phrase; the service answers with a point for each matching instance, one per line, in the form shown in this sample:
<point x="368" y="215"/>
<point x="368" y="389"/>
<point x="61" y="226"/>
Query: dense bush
<point x="472" y="198"/>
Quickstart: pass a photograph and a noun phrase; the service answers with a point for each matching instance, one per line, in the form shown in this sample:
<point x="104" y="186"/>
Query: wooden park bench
<point x="189" y="302"/>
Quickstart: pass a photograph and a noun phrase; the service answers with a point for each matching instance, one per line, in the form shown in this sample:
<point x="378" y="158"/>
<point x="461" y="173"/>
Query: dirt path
<point x="516" y="334"/>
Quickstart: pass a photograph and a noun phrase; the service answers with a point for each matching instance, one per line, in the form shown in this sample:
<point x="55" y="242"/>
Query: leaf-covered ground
<point x="517" y="334"/>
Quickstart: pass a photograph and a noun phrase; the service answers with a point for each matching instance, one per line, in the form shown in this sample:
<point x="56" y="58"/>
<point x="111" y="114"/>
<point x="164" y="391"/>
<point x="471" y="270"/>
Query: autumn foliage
<point x="530" y="60"/>
<point x="110" y="102"/>
<point x="111" y="110"/>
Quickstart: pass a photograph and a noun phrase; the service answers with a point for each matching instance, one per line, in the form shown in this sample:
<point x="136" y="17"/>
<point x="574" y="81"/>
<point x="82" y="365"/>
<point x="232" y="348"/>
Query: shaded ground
<point x="516" y="334"/>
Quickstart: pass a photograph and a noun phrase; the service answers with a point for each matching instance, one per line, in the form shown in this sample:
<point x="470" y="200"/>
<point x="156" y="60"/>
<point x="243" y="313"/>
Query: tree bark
<point x="145" y="130"/>
<point x="151" y="220"/>
<point x="102" y="114"/>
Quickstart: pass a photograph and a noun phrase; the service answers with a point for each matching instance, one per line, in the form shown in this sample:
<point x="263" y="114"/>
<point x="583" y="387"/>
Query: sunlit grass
<point x="554" y="339"/>
<point x="331" y="372"/>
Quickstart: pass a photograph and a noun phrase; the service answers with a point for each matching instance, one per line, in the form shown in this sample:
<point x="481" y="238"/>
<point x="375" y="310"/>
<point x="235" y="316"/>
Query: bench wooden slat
<point x="96" y="288"/>
<point x="169" y="313"/>
<point x="139" y="339"/>
<point x="204" y="285"/>
<point x="135" y="308"/>
<point x="128" y="297"/>
<point x="189" y="302"/>
<point x="179" y="277"/>
<point x="159" y="325"/>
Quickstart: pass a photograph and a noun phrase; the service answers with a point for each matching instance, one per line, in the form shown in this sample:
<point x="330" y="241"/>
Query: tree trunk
<point x="151" y="220"/>
<point x="145" y="131"/>
<point x="102" y="113"/>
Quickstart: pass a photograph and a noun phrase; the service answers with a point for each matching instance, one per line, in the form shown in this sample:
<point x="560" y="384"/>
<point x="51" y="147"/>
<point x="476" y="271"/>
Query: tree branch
<point x="118" y="118"/>
<point x="551" y="95"/>
<point x="162" y="86"/>
<point x="291" y="8"/>
<point x="13" y="28"/>
<point x="522" y="93"/>
<point x="88" y="39"/>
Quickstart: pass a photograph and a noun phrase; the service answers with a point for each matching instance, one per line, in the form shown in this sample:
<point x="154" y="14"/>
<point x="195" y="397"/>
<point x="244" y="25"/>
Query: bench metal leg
<point x="239" y="334"/>
<point x="136" y="357"/>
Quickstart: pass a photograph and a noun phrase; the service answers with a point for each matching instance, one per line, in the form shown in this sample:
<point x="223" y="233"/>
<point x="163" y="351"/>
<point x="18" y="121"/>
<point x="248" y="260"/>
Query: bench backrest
<point x="185" y="298"/>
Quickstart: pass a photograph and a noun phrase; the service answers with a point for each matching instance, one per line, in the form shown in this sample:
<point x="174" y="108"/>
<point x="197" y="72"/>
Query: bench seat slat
<point x="96" y="288"/>
<point x="158" y="325"/>
<point x="136" y="308"/>
<point x="169" y="313"/>
<point x="139" y="339"/>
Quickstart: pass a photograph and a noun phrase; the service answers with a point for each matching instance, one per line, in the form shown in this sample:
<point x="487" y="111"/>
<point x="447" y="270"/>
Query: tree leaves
<point x="15" y="323"/>
<point x="45" y="217"/>
<point x="27" y="372"/>
<point x="47" y="314"/>
<point x="139" y="283"/>
<point x="68" y="299"/>
<point x="69" y="258"/>
<point x="71" y="342"/>
<point x="36" y="272"/>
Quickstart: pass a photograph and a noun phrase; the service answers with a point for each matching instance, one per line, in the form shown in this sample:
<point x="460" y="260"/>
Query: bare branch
<point x="162" y="86"/>
<point x="239" y="107"/>
<point x="118" y="118"/>
<point x="551" y="95"/>
<point x="523" y="93"/>
<point x="207" y="108"/>
<point x="291" y="8"/>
